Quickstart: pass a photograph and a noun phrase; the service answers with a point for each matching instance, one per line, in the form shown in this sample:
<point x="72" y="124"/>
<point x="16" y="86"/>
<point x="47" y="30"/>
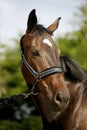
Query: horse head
<point x="41" y="68"/>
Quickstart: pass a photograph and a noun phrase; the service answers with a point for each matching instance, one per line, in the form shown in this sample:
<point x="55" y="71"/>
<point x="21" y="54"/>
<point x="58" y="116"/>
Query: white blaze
<point x="46" y="41"/>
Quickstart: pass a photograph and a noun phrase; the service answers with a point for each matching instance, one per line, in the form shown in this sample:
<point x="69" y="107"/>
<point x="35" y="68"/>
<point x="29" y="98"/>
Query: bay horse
<point x="57" y="84"/>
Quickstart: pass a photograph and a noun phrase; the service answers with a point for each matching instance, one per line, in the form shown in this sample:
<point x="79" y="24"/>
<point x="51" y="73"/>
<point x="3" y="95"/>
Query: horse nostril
<point x="59" y="97"/>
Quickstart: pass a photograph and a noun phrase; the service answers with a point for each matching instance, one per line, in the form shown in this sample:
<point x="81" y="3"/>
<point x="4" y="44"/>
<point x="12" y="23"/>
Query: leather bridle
<point x="38" y="76"/>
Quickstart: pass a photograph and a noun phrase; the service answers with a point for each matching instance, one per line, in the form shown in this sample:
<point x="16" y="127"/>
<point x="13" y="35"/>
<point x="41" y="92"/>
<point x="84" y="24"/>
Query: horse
<point x="57" y="84"/>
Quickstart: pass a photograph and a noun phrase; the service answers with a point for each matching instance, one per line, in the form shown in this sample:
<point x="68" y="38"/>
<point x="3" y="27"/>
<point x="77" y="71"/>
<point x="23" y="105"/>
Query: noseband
<point x="38" y="76"/>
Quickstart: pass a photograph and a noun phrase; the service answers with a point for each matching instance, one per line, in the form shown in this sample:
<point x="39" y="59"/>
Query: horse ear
<point x="54" y="25"/>
<point x="32" y="20"/>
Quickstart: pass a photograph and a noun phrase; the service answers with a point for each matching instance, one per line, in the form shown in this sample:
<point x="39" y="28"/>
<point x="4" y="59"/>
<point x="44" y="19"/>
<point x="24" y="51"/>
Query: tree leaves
<point x="74" y="44"/>
<point x="10" y="73"/>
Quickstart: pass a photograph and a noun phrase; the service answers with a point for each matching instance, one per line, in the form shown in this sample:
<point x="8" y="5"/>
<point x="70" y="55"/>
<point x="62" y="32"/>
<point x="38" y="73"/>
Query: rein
<point x="38" y="76"/>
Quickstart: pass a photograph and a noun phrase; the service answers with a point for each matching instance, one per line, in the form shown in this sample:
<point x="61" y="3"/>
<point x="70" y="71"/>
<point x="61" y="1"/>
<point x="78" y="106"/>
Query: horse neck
<point x="76" y="93"/>
<point x="70" y="113"/>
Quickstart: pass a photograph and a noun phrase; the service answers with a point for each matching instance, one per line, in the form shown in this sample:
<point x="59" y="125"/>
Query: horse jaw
<point x="47" y="105"/>
<point x="45" y="109"/>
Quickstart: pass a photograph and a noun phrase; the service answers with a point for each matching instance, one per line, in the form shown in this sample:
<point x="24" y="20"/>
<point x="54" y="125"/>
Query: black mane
<point x="72" y="71"/>
<point x="41" y="29"/>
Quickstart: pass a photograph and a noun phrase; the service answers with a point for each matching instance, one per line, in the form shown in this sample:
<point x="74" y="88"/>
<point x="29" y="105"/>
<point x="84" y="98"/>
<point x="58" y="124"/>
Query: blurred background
<point x="70" y="37"/>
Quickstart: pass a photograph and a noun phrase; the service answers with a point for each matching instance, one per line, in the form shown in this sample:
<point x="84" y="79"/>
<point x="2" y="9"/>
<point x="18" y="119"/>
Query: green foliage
<point x="75" y="44"/>
<point x="30" y="123"/>
<point x="9" y="125"/>
<point x="10" y="73"/>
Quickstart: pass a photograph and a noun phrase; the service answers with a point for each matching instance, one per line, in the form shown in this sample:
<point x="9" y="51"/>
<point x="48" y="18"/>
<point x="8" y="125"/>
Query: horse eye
<point x="35" y="53"/>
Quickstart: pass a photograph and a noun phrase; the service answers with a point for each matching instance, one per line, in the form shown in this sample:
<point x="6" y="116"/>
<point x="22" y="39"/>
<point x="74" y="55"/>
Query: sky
<point x="14" y="15"/>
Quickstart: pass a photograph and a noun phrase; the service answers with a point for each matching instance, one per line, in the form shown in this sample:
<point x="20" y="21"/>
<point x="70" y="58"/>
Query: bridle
<point x="38" y="76"/>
